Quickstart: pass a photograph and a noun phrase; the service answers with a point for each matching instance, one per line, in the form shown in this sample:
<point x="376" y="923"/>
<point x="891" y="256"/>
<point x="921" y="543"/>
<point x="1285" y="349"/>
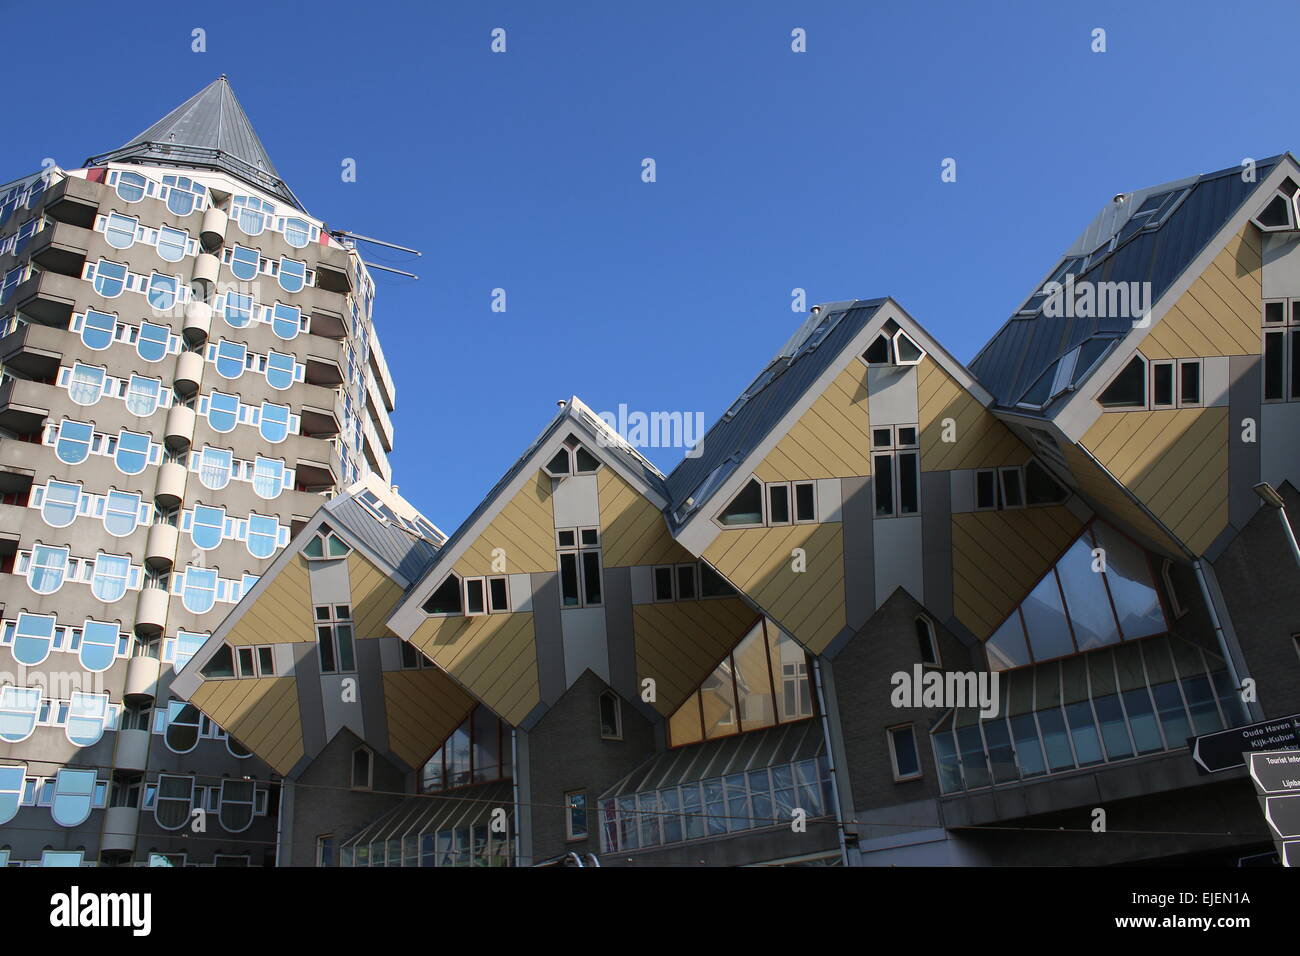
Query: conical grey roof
<point x="209" y="130"/>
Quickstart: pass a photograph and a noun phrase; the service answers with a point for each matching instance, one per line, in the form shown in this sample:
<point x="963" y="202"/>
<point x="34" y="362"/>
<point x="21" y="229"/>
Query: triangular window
<point x="1128" y="388"/>
<point x="746" y="508"/>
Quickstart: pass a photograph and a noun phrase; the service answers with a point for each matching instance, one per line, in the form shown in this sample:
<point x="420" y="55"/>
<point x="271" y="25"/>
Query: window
<point x="1128" y="388"/>
<point x="199" y="589"/>
<point x="611" y="716"/>
<point x="207" y="526"/>
<point x="97" y="330"/>
<point x="325" y="545"/>
<point x="121" y="513"/>
<point x="286" y="321"/>
<point x="59" y="503"/>
<point x="362" y="769"/>
<point x="237" y="309"/>
<point x="498" y="595"/>
<point x="1281" y="350"/>
<point x="142" y="396"/>
<point x="214" y="468"/>
<point x="251" y="213"/>
<point x="263" y="535"/>
<point x="11" y="791"/>
<point x="325" y="850"/>
<point x="110" y="278"/>
<point x="896" y="470"/>
<point x="33" y="635"/>
<point x="237" y="804"/>
<point x="99" y="645"/>
<point x="575" y="815"/>
<point x="572" y="459"/>
<point x="446" y="598"/>
<point x="109" y="581"/>
<point x="230" y="358"/>
<point x="893" y="346"/>
<point x="297" y="232"/>
<point x="48" y="568"/>
<point x="133" y="452"/>
<point x="478" y="751"/>
<point x="292" y="275"/>
<point x="86" y="384"/>
<point x="73" y="794"/>
<point x="72" y="444"/>
<point x="182" y="730"/>
<point x="926" y="642"/>
<point x="746" y="509"/>
<point x="275" y="423"/>
<point x="172" y="244"/>
<point x="88" y="715"/>
<point x="223" y="412"/>
<point x="1012" y="487"/>
<point x="184" y="195"/>
<point x="163" y="291"/>
<point x="175" y="797"/>
<point x="579" y="563"/>
<point x="1277" y="215"/>
<point x="130" y="187"/>
<point x="281" y="370"/>
<point x="119" y="231"/>
<point x="268" y="477"/>
<point x="153" y="342"/>
<point x="244" y="263"/>
<point x="334" y="639"/>
<point x="18" y="709"/>
<point x="902" y="753"/>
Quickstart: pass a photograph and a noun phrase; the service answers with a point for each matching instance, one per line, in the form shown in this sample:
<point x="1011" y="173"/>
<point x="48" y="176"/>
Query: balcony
<point x="333" y="270"/>
<point x="378" y="413"/>
<point x="189" y="372"/>
<point x="213" y="232"/>
<point x="324" y="371"/>
<point x="319" y="474"/>
<point x="206" y="269"/>
<point x="198" y="322"/>
<point x="383" y="377"/>
<point x="378" y="460"/>
<point x="141" y="679"/>
<point x="121" y="824"/>
<point x="23" y="406"/>
<point x="160" y="547"/>
<point x="73" y="200"/>
<point x="49" y="298"/>
<point x="132" y="745"/>
<point x="328" y="324"/>
<point x="321" y="421"/>
<point x="151" y="612"/>
<point x="170" y="490"/>
<point x="179" y="433"/>
<point x="33" y="351"/>
<point x="61" y="248"/>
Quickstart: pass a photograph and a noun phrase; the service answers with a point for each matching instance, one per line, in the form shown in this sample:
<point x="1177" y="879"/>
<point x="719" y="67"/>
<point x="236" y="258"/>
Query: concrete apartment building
<point x="729" y="664"/>
<point x="189" y="370"/>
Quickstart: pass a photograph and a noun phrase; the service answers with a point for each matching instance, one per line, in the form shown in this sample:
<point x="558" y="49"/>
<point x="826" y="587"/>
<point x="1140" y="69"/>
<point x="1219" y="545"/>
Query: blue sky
<point x="775" y="170"/>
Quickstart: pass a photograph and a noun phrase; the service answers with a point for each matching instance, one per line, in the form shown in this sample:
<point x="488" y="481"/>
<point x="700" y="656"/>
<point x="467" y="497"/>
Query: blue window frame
<point x="230" y="359"/>
<point x="33" y="638"/>
<point x="207" y="526"/>
<point x="119" y="230"/>
<point x="186" y="646"/>
<point x="172" y="243"/>
<point x="251" y="213"/>
<point x="86" y="384"/>
<point x="223" y="411"/>
<point x="199" y="589"/>
<point x="183" y="194"/>
<point x="72" y="446"/>
<point x="237" y="309"/>
<point x="87" y="718"/>
<point x="268" y="477"/>
<point x="263" y="535"/>
<point x="132" y="455"/>
<point x="108" y="583"/>
<point x="130" y="187"/>
<point x="98" y="645"/>
<point x="121" y="513"/>
<point x="297" y="232"/>
<point x="244" y="263"/>
<point x="286" y="321"/>
<point x="60" y="502"/>
<point x="162" y="291"/>
<point x="293" y="274"/>
<point x="97" y="330"/>
<point x="274" y="425"/>
<point x="142" y="395"/>
<point x="152" y="343"/>
<point x="110" y="279"/>
<point x="74" y="791"/>
<point x="18" y="709"/>
<point x="280" y="370"/>
<point x="215" y="466"/>
<point x="49" y="566"/>
<point x="11" y="791"/>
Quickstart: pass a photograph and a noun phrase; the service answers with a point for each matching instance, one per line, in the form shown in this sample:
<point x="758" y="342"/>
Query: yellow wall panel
<point x="998" y="556"/>
<point x="261" y="713"/>
<point x="524" y="529"/>
<point x="632" y="530"/>
<point x="679" y="644"/>
<point x="1220" y="313"/>
<point x="283" y="612"/>
<point x="493" y="655"/>
<point x="423" y="708"/>
<point x="830" y="439"/>
<point x="758" y="562"/>
<point x="980" y="440"/>
<point x="1103" y="493"/>
<point x="374" y="596"/>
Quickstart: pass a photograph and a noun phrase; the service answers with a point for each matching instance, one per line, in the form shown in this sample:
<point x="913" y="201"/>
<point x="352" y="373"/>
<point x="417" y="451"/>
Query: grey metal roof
<point x="209" y="130"/>
<point x="734" y="436"/>
<point x="403" y="552"/>
<point x="783" y="744"/>
<point x="429" y="813"/>
<point x="1027" y="345"/>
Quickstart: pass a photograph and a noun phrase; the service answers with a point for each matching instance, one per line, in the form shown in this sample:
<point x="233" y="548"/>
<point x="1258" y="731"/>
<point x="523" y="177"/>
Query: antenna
<point x="342" y="234"/>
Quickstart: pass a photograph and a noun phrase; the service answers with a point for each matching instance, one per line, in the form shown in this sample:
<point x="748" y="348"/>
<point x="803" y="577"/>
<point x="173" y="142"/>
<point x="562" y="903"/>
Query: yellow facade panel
<point x="282" y="614"/>
<point x="679" y="644"/>
<point x="487" y="654"/>
<point x="423" y="707"/>
<point x="374" y="597"/>
<point x="947" y="410"/>
<point x="632" y="530"/>
<point x="261" y="713"/>
<point x="831" y="439"/>
<point x="524" y="530"/>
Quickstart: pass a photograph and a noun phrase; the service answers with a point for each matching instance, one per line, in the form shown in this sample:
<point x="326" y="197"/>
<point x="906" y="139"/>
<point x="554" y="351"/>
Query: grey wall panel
<point x="1244" y="385"/>
<point x="891" y="396"/>
<point x="898" y="561"/>
<point x="548" y="635"/>
<point x="371" y="679"/>
<point x="936" y="550"/>
<point x="620" y="635"/>
<point x="584" y="643"/>
<point x="310" y="705"/>
<point x="859" y="552"/>
<point x="576" y="503"/>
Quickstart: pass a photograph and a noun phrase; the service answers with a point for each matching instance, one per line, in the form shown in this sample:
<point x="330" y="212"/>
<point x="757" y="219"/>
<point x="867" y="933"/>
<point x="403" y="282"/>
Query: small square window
<point x="566" y="539"/>
<point x="322" y="613"/>
<point x="906" y="436"/>
<point x="498" y="595"/>
<point x="663" y="583"/>
<point x="882" y="437"/>
<point x="805" y="502"/>
<point x="686" y="590"/>
<point x="590" y="537"/>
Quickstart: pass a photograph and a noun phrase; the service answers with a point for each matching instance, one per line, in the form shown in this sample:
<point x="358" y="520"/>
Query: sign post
<point x="1276" y="775"/>
<point x="1229" y="748"/>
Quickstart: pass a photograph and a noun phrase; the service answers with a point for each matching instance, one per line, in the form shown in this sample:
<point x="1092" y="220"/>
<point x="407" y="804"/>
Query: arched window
<point x="172" y="243"/>
<point x="237" y="309"/>
<point x="121" y="513"/>
<point x="199" y="589"/>
<point x="182" y="734"/>
<point x="293" y="275"/>
<point x="142" y="396"/>
<point x="133" y="452"/>
<point x="223" y="412"/>
<point x="109" y="580"/>
<point x="236" y="804"/>
<point x="286" y="321"/>
<point x="119" y="230"/>
<point x="72" y="445"/>
<point x="215" y="465"/>
<point x="59" y="503"/>
<point x="611" y="716"/>
<point x="130" y="187"/>
<point x="74" y="791"/>
<point x="207" y="526"/>
<point x="244" y="263"/>
<point x="174" y="800"/>
<point x="11" y="791"/>
<point x="110" y="279"/>
<point x="99" y="640"/>
<point x="280" y="370"/>
<point x="263" y="535"/>
<point x="87" y="717"/>
<point x="275" y="422"/>
<point x="85" y="384"/>
<point x="362" y="769"/>
<point x="268" y="477"/>
<point x="152" y="343"/>
<point x="97" y="330"/>
<point x="18" y="709"/>
<point x="33" y="635"/>
<point x="48" y="568"/>
<point x="230" y="359"/>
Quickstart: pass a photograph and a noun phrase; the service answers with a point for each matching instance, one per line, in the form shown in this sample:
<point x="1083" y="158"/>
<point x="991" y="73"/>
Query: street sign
<point x="1226" y="749"/>
<point x="1276" y="775"/>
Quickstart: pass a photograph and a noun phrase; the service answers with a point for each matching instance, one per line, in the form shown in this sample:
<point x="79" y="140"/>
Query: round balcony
<point x="141" y="679"/>
<point x="151" y="613"/>
<point x="120" y="827"/>
<point x="213" y="232"/>
<point x="132" y="750"/>
<point x="179" y="432"/>
<point x="170" y="490"/>
<point x="160" y="547"/>
<point x="198" y="322"/>
<point x="189" y="372"/>
<point x="204" y="276"/>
